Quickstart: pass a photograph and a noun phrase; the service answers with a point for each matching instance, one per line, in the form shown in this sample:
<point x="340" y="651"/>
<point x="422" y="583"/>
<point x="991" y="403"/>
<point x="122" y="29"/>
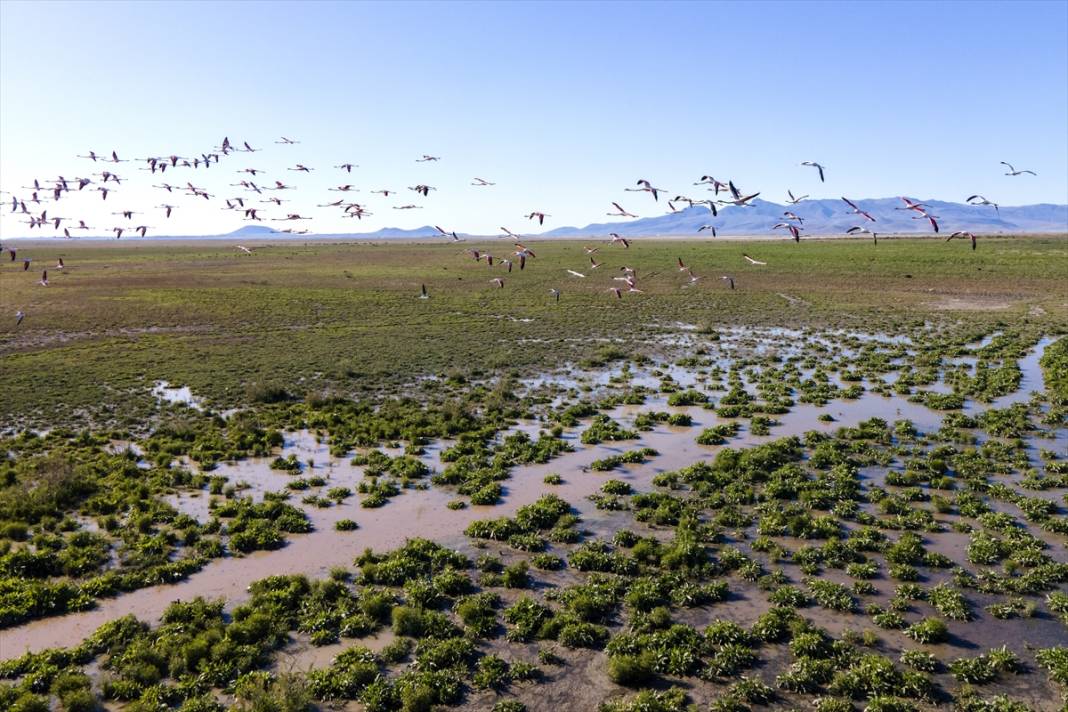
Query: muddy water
<point x="423" y="513"/>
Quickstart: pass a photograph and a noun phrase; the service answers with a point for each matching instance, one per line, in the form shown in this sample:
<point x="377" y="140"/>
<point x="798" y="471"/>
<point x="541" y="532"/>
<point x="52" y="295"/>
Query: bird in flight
<point x="616" y="237"/>
<point x="751" y="261"/>
<point x="427" y="159"/>
<point x="794" y="216"/>
<point x="794" y="230"/>
<point x="284" y="140"/>
<point x="539" y="216"/>
<point x="244" y="249"/>
<point x="347" y="167"/>
<point x="1014" y="172"/>
<point x="739" y="200"/>
<point x="498" y="282"/>
<point x="924" y="216"/>
<point x="20" y="315"/>
<point x="620" y="212"/>
<point x="44" y="279"/>
<point x="815" y="165"/>
<point x="481" y="182"/>
<point x="857" y="210"/>
<point x="423" y="294"/>
<point x="980" y="200"/>
<point x="646" y="187"/>
<point x="858" y="230"/>
<point x="573" y="273"/>
<point x="729" y="280"/>
<point x="708" y="227"/>
<point x="552" y="290"/>
<point x="423" y="190"/>
<point x="793" y="200"/>
<point x="509" y="233"/>
<point x="963" y="234"/>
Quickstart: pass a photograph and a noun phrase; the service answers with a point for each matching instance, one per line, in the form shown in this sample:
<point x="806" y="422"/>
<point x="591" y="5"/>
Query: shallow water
<point x="422" y="513"/>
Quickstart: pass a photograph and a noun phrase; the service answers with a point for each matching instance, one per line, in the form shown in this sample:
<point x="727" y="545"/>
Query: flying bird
<point x="646" y="187"/>
<point x="980" y="200"/>
<point x="284" y="140"/>
<point x="858" y="230"/>
<point x="1014" y="172"/>
<point x="427" y="158"/>
<point x="573" y="273"/>
<point x="857" y="210"/>
<point x="423" y="190"/>
<point x="498" y="281"/>
<point x="708" y="227"/>
<point x="963" y="234"/>
<point x="481" y="182"/>
<point x="616" y="237"/>
<point x="347" y="167"/>
<point x="244" y="249"/>
<point x="539" y="216"/>
<point x="729" y="280"/>
<point x="423" y="294"/>
<point x="816" y="166"/>
<point x="44" y="279"/>
<point x="794" y="230"/>
<point x="793" y="200"/>
<point x="20" y="315"/>
<point x="556" y="293"/>
<point x="751" y="261"/>
<point x="620" y="212"/>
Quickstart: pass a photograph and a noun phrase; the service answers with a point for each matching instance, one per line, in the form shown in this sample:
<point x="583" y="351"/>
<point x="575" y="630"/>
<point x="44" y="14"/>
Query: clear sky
<point x="563" y="105"/>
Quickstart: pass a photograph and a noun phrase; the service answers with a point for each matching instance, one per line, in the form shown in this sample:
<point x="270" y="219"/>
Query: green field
<point x="346" y="318"/>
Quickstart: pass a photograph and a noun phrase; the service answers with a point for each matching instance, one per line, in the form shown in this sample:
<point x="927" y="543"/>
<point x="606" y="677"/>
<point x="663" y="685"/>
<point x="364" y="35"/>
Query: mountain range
<point x="821" y="217"/>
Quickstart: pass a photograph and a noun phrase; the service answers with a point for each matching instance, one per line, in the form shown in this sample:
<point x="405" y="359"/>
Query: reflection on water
<point x="167" y="393"/>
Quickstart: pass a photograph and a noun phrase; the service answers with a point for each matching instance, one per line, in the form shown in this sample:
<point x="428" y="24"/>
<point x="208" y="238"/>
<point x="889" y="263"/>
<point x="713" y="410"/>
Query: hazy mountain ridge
<point x="832" y="216"/>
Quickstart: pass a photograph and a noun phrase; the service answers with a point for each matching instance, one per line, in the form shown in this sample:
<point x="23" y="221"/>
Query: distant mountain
<point x="832" y="216"/>
<point x="425" y="231"/>
<point x="252" y="230"/>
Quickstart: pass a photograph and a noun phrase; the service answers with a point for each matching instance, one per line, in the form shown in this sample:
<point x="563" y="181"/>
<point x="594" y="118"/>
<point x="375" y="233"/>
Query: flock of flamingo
<point x="105" y="182"/>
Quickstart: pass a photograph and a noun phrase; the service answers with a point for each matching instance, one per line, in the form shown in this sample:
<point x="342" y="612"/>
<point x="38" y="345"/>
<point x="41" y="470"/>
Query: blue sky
<point x="561" y="104"/>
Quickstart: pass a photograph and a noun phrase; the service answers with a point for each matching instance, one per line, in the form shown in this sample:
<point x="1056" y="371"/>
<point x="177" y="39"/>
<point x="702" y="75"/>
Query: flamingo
<point x="423" y="293"/>
<point x="423" y="190"/>
<point x="931" y="218"/>
<point x="60" y="265"/>
<point x="284" y="140"/>
<point x="499" y="282"/>
<point x="682" y="267"/>
<point x="980" y="200"/>
<point x="594" y="264"/>
<point x="118" y="232"/>
<point x="509" y="233"/>
<point x="615" y="291"/>
<point x="729" y="279"/>
<point x="646" y="187"/>
<point x="751" y="261"/>
<point x="857" y="210"/>
<point x="739" y="201"/>
<point x="858" y="230"/>
<point x="244" y="249"/>
<point x="617" y="238"/>
<point x="20" y="315"/>
<point x="555" y="292"/>
<point x="300" y="167"/>
<point x="539" y="216"/>
<point x="427" y="159"/>
<point x="793" y="200"/>
<point x="44" y="279"/>
<point x="816" y="166"/>
<point x="716" y="185"/>
<point x="1014" y="172"/>
<point x="573" y="273"/>
<point x="963" y="234"/>
<point x="347" y="167"/>
<point x="912" y="205"/>
<point x="708" y="227"/>
<point x="794" y="231"/>
<point x="794" y="216"/>
<point x="590" y="250"/>
<point x="621" y="213"/>
<point x="481" y="182"/>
